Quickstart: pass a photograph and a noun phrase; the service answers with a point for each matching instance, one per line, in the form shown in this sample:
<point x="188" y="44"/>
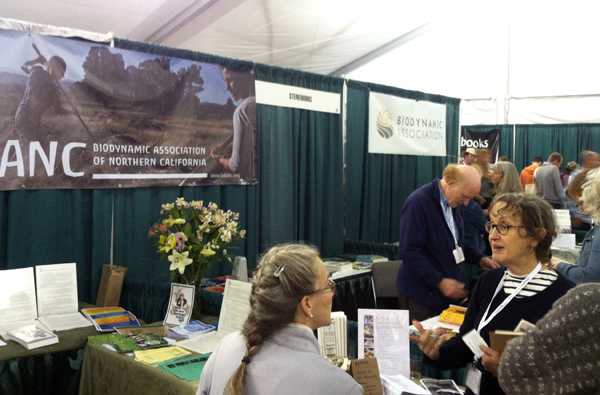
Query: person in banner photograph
<point x="42" y="92"/>
<point x="242" y="144"/>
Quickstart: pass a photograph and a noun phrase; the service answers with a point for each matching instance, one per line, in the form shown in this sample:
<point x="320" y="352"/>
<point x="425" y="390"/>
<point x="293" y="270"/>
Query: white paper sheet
<point x="234" y="311"/>
<point x="202" y="344"/>
<point x="63" y="322"/>
<point x="17" y="297"/>
<point x="56" y="289"/>
<point x="385" y="334"/>
<point x="236" y="306"/>
<point x="564" y="241"/>
<point x="398" y="385"/>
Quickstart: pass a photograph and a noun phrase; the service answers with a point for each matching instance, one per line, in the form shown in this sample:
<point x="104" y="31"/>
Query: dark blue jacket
<point x="426" y="246"/>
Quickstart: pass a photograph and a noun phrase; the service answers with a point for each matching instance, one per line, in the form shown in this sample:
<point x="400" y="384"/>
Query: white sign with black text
<point x="292" y="96"/>
<point x="405" y="126"/>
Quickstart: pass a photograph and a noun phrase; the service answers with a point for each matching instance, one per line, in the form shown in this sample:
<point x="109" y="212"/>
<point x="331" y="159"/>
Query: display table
<point x="52" y="370"/>
<point x="106" y="372"/>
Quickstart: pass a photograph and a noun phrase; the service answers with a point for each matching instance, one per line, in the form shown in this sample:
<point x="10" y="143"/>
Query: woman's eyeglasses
<point x="330" y="287"/>
<point x="503" y="229"/>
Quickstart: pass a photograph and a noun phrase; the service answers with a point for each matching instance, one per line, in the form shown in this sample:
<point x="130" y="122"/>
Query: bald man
<point x="431" y="243"/>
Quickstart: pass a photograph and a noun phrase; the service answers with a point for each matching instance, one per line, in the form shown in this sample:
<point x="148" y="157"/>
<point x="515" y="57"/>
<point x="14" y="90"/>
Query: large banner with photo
<point x="405" y="126"/>
<point x="480" y="139"/>
<point x="76" y="114"/>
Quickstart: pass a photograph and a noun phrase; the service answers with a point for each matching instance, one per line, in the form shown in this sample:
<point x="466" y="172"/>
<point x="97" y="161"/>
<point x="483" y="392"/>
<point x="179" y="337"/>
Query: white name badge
<point x="473" y="381"/>
<point x="459" y="256"/>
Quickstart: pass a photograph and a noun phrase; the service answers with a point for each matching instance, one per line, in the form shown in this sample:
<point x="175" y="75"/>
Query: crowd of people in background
<point x="501" y="238"/>
<point x="479" y="215"/>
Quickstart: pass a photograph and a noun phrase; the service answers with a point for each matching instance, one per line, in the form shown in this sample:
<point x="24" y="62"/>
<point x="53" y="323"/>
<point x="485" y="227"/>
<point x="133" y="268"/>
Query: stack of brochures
<point x="194" y="328"/>
<point x="106" y="319"/>
<point x="33" y="336"/>
<point x="333" y="338"/>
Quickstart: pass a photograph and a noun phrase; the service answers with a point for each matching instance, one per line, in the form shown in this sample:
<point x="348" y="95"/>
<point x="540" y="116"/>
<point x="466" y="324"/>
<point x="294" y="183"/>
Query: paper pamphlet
<point x="564" y="241"/>
<point x="181" y="304"/>
<point x="333" y="338"/>
<point x="17" y="299"/>
<point x="563" y="220"/>
<point x="384" y="334"/>
<point x="56" y="289"/>
<point x="158" y="355"/>
<point x="474" y="341"/>
<point x="57" y="300"/>
<point x="234" y="311"/>
<point x="52" y="298"/>
<point x="63" y="322"/>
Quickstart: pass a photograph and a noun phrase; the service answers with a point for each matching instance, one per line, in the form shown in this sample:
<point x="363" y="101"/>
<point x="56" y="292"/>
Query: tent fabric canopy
<point x="510" y="61"/>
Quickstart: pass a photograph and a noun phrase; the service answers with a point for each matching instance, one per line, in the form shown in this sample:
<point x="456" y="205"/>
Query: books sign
<point x="406" y="127"/>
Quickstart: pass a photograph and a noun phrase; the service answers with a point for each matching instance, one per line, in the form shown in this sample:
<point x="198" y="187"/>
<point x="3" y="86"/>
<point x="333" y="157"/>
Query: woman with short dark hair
<point x="521" y="230"/>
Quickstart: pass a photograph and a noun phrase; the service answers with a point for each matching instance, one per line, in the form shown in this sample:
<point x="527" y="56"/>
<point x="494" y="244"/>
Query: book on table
<point x="32" y="336"/>
<point x="47" y="297"/>
<point x="194" y="328"/>
<point x="234" y="311"/>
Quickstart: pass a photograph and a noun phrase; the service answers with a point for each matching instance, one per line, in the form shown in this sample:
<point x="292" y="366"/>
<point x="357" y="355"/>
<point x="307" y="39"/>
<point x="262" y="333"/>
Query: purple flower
<point x="181" y="238"/>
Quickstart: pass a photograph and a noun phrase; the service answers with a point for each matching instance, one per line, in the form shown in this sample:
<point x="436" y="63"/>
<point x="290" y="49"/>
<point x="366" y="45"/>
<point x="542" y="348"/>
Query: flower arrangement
<point x="191" y="235"/>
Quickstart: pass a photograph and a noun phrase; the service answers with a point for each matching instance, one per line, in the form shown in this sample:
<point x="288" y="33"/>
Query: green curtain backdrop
<point x="301" y="168"/>
<point x="43" y="227"/>
<point x="298" y="198"/>
<point x="376" y="184"/>
<point x="568" y="139"/>
<point x="506" y="137"/>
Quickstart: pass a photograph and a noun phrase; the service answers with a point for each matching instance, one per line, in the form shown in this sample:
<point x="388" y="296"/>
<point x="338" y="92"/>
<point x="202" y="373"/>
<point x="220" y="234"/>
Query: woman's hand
<point x="430" y="341"/>
<point x="490" y="360"/>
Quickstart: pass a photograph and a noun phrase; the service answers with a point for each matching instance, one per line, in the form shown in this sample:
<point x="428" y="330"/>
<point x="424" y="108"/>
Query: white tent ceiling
<point x="506" y="52"/>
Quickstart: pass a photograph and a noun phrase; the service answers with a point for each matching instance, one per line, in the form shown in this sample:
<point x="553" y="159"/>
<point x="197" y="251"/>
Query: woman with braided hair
<point x="277" y="352"/>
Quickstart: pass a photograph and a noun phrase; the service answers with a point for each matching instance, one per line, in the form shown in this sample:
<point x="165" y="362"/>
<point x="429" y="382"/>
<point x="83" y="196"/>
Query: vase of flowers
<point x="193" y="235"/>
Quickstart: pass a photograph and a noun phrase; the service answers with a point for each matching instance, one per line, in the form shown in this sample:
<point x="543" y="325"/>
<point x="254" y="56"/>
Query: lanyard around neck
<point x="485" y="319"/>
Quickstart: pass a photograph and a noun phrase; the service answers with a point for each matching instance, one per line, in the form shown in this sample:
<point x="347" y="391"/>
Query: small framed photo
<point x="181" y="304"/>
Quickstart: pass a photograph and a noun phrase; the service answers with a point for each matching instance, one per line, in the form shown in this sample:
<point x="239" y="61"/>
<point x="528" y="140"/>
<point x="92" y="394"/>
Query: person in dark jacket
<point x="521" y="230"/>
<point x="432" y="242"/>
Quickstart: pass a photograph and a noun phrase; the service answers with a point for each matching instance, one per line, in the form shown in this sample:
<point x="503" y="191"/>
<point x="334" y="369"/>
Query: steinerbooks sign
<point x="295" y="97"/>
<point x="480" y="139"/>
<point x="405" y="126"/>
<point x="76" y="114"/>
